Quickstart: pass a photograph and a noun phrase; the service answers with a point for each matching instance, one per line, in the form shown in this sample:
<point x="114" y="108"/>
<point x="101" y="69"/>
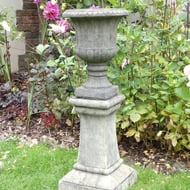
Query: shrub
<point x="55" y="71"/>
<point x="153" y="55"/>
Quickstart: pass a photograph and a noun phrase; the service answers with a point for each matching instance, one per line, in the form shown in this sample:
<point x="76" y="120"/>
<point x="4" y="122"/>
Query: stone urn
<point x="99" y="165"/>
<point x="96" y="31"/>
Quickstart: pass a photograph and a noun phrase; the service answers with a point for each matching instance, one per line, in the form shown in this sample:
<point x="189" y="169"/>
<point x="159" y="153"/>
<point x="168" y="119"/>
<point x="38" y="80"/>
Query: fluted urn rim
<point x="100" y="12"/>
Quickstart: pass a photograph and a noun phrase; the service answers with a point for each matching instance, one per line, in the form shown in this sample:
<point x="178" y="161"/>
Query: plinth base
<point x="120" y="179"/>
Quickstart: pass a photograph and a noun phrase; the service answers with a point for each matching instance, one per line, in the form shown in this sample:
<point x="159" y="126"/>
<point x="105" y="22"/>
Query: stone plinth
<point x="99" y="165"/>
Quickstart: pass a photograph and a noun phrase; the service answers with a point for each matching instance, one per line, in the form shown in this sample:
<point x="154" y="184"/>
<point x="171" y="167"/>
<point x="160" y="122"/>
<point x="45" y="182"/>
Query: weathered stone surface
<point x="97" y="85"/>
<point x="98" y="150"/>
<point x="89" y="13"/>
<point x="120" y="179"/>
<point x="96" y="32"/>
<point x="99" y="165"/>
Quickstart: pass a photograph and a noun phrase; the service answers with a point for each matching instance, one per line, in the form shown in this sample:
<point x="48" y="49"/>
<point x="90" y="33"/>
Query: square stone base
<point x="120" y="179"/>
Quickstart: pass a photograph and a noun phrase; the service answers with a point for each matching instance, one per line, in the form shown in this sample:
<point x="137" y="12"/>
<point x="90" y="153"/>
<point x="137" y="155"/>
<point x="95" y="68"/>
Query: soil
<point x="66" y="135"/>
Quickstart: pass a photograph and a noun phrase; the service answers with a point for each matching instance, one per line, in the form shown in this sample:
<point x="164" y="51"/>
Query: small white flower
<point x="186" y="70"/>
<point x="1" y="165"/>
<point x="125" y="63"/>
<point x="188" y="84"/>
<point x="57" y="28"/>
<point x="179" y="37"/>
<point x="42" y="7"/>
<point x="53" y="2"/>
<point x="5" y="26"/>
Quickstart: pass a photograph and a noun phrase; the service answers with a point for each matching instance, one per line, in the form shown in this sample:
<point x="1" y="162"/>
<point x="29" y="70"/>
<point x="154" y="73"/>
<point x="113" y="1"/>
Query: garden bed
<point x="65" y="135"/>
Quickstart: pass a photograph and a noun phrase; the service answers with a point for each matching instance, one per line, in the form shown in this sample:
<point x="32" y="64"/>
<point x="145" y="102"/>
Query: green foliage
<point x="87" y="3"/>
<point x="55" y="72"/>
<point x="148" y="69"/>
<point x="4" y="68"/>
<point x="156" y="109"/>
<point x="29" y="104"/>
<point x="55" y="75"/>
<point x="80" y="3"/>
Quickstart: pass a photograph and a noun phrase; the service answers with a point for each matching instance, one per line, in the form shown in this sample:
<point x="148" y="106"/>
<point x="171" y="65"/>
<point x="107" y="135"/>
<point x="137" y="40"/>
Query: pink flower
<point x="51" y="10"/>
<point x="36" y="1"/>
<point x="62" y="22"/>
<point x="94" y="7"/>
<point x="61" y="26"/>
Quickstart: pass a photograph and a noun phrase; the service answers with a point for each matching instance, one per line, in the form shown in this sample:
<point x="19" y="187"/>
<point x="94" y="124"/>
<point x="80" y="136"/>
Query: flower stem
<point x="164" y="22"/>
<point x="44" y="29"/>
<point x="188" y="4"/>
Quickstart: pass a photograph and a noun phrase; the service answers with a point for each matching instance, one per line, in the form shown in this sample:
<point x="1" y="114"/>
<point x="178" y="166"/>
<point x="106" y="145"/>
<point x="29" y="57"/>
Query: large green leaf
<point x="187" y="111"/>
<point x="135" y="117"/>
<point x="112" y="1"/>
<point x="130" y="132"/>
<point x="41" y="48"/>
<point x="125" y="124"/>
<point x="87" y="2"/>
<point x="51" y="63"/>
<point x="142" y="97"/>
<point x="176" y="108"/>
<point x="141" y="108"/>
<point x="183" y="93"/>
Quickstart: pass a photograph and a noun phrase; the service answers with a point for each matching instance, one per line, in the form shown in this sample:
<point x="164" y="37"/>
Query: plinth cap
<point x="100" y="12"/>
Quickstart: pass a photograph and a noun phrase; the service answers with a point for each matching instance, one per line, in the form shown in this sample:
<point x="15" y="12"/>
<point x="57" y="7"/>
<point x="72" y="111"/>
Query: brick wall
<point x="28" y="22"/>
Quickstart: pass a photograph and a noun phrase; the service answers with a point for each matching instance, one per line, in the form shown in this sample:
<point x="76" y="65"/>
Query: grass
<point x="40" y="167"/>
<point x="35" y="168"/>
<point x="149" y="180"/>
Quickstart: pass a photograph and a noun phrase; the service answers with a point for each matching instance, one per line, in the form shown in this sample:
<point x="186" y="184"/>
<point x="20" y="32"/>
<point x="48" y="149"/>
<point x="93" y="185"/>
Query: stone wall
<point x="28" y="21"/>
<point x="17" y="46"/>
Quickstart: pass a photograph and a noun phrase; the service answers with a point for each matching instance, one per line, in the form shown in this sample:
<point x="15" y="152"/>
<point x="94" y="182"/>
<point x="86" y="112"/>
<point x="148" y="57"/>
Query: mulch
<point x="67" y="135"/>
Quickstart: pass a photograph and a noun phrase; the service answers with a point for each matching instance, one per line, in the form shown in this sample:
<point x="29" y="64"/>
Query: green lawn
<point x="40" y="167"/>
<point x="149" y="180"/>
<point x="36" y="168"/>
